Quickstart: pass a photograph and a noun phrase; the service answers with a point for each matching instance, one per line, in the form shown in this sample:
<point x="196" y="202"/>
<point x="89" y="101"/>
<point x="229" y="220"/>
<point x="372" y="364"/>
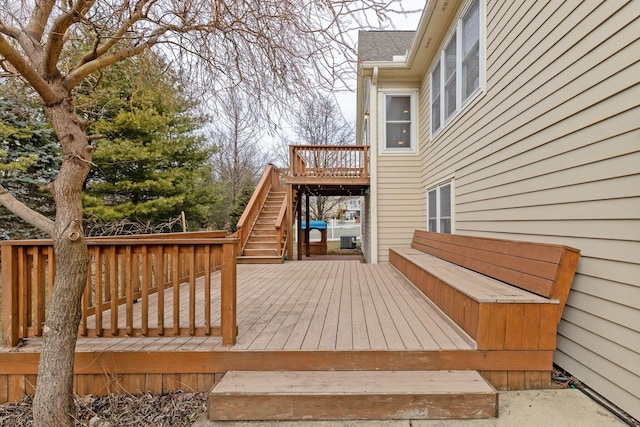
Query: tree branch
<point x="24" y="212"/>
<point x="76" y="77"/>
<point x="25" y="69"/>
<point x="10" y="31"/>
<point x="39" y="17"/>
<point x="56" y="39"/>
<point x="114" y="38"/>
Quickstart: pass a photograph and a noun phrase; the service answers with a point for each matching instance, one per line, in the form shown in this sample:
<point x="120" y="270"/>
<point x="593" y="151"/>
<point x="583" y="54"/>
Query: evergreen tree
<point x="29" y="159"/>
<point x="152" y="164"/>
<point x="238" y="208"/>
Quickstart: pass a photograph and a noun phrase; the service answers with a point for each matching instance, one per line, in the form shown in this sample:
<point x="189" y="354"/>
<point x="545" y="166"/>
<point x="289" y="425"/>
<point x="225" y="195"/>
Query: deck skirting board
<point x="156" y="372"/>
<point x="192" y="362"/>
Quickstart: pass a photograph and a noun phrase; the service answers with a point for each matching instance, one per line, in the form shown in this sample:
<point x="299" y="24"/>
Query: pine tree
<point x="28" y="160"/>
<point x="152" y="164"/>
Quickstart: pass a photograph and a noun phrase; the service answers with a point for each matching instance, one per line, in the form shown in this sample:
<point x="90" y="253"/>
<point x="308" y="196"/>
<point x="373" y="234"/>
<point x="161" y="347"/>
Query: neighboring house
<point x="351" y="208"/>
<point x="518" y="119"/>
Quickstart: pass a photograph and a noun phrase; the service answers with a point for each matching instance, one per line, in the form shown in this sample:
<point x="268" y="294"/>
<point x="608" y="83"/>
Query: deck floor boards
<point x="320" y="305"/>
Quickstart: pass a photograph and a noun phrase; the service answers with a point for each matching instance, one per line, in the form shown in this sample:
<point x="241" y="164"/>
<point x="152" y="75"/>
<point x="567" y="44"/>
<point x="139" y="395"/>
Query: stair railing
<point x="281" y="226"/>
<point x="269" y="178"/>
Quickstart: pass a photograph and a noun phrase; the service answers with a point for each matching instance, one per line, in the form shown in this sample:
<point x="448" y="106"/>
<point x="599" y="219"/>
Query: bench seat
<point x="507" y="295"/>
<point x="477" y="286"/>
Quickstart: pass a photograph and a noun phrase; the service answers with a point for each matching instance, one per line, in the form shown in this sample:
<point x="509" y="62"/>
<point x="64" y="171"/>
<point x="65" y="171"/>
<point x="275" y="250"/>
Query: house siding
<point x="550" y="152"/>
<point x="401" y="202"/>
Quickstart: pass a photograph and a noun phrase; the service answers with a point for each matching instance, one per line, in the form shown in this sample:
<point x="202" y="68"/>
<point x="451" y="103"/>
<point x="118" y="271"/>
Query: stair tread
<point x="349" y="382"/>
<point x="265" y="259"/>
<point x="334" y="395"/>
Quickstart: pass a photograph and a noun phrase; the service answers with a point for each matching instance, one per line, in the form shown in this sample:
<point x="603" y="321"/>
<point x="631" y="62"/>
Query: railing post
<point x="10" y="295"/>
<point x="275" y="179"/>
<point x="228" y="294"/>
<point x="365" y="165"/>
<point x="292" y="161"/>
<point x="289" y="222"/>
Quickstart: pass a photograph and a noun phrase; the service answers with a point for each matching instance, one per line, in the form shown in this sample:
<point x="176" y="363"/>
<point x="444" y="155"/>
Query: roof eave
<point x="431" y="28"/>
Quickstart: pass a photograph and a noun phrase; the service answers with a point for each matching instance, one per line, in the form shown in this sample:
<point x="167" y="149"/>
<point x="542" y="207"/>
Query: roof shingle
<point x="383" y="45"/>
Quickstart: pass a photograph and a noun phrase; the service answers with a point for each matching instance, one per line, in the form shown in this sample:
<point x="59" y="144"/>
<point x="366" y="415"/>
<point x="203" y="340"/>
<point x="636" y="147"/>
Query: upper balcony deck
<point x="330" y="169"/>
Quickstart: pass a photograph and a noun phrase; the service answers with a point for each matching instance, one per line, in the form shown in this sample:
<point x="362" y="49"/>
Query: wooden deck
<point x="322" y="305"/>
<point x="320" y="315"/>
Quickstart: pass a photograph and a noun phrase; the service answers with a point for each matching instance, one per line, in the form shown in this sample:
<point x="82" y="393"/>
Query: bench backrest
<point x="541" y="268"/>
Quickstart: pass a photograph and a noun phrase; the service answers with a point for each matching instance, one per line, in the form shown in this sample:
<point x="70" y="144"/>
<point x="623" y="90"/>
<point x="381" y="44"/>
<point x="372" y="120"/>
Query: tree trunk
<point x="53" y="404"/>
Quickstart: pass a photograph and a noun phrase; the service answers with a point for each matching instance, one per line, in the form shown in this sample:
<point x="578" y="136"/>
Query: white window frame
<point x="437" y="188"/>
<point x="412" y="147"/>
<point x="440" y="60"/>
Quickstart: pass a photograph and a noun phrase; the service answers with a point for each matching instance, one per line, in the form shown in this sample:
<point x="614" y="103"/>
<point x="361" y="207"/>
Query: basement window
<point x="440" y="208"/>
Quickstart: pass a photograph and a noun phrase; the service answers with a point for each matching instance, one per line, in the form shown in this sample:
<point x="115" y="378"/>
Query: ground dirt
<point x="166" y="410"/>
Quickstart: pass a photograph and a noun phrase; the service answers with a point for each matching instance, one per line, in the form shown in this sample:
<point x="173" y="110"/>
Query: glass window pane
<point x="450" y="78"/>
<point x="471" y="51"/>
<point x="435" y="115"/>
<point x="449" y="98"/>
<point x="435" y="81"/>
<point x="398" y="135"/>
<point x="450" y="58"/>
<point x="431" y="201"/>
<point x="398" y="108"/>
<point x="470" y="73"/>
<point x="470" y="28"/>
<point x="439" y="208"/>
<point x="435" y="98"/>
<point x="445" y="200"/>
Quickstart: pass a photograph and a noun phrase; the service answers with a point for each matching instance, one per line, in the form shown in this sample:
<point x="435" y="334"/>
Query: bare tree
<point x="269" y="49"/>
<point x="238" y="159"/>
<point x="320" y="122"/>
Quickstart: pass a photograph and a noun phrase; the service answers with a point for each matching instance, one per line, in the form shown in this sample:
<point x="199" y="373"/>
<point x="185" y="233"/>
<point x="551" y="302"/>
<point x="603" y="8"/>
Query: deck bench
<point x="505" y="294"/>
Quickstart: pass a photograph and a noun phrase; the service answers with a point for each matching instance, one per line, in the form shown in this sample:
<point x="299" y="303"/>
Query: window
<point x="399" y="122"/>
<point x="435" y="99"/>
<point x="456" y="75"/>
<point x="439" y="210"/>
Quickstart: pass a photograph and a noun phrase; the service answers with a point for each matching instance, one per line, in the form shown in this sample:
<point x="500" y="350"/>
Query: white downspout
<point x="373" y="153"/>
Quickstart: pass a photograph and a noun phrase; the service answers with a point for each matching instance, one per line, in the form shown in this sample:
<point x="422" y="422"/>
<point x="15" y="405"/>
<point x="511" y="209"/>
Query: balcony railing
<point x="329" y="161"/>
<point x="155" y="285"/>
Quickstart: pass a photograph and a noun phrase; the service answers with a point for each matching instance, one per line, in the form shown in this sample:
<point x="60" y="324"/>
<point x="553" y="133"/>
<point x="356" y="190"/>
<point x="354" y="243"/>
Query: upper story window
<point x="456" y="75"/>
<point x="399" y="122"/>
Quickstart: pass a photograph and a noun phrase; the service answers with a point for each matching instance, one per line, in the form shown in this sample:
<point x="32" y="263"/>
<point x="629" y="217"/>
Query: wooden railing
<point x="281" y="226"/>
<point x="282" y="174"/>
<point x="136" y="286"/>
<point x="338" y="161"/>
<point x="271" y="178"/>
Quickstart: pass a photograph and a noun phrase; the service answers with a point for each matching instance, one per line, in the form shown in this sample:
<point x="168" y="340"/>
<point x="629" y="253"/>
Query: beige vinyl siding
<point x="551" y="152"/>
<point x="401" y="201"/>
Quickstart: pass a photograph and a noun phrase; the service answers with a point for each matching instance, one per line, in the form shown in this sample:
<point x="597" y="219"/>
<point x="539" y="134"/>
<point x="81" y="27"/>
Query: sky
<point x="347" y="100"/>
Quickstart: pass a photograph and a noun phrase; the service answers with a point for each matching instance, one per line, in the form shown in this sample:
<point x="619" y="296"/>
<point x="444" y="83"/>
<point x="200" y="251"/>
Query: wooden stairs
<point x="262" y="246"/>
<point x="351" y="395"/>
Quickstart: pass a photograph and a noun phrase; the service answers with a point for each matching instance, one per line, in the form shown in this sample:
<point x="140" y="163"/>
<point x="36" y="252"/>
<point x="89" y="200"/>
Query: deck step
<point x="351" y="395"/>
<point x="260" y="259"/>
